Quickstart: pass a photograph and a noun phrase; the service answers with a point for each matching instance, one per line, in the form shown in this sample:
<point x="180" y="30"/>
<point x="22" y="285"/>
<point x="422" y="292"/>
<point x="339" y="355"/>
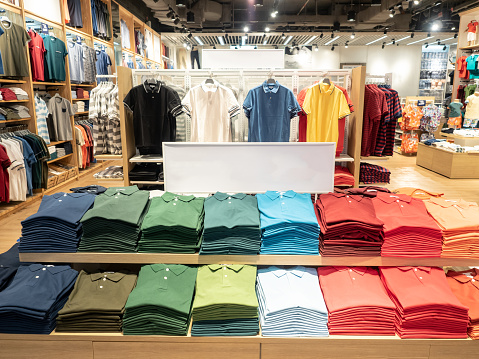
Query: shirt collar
<point x="177" y="269"/>
<point x="357" y="198"/>
<point x="114" y="277"/>
<point x="234" y="267"/>
<point x="74" y="195"/>
<point x="446" y="203"/>
<point x="279" y="272"/>
<point x="326" y="89"/>
<point x="406" y="269"/>
<point x="461" y="277"/>
<point x="52" y="269"/>
<point x="390" y="197"/>
<point x="148" y="88"/>
<point x="268" y="89"/>
<point x="275" y="194"/>
<point x="220" y="196"/>
<point x="121" y="190"/>
<point x="210" y="87"/>
<point x="168" y="197"/>
<point x="358" y="270"/>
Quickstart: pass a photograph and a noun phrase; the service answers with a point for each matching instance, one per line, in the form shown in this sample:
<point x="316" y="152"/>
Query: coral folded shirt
<point x="453" y="215"/>
<point x="465" y="286"/>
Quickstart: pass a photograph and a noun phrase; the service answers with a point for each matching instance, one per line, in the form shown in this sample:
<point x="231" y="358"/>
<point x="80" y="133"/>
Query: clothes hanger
<point x="326" y="81"/>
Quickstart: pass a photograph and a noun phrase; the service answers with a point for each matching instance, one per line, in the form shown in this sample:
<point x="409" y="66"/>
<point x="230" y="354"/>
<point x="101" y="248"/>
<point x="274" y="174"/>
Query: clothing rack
<point x="13" y="128"/>
<point x="376" y="79"/>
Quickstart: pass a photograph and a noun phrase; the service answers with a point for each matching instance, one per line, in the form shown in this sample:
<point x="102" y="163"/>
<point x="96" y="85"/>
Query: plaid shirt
<point x="375" y="109"/>
<point x="373" y="174"/>
<point x="386" y="133"/>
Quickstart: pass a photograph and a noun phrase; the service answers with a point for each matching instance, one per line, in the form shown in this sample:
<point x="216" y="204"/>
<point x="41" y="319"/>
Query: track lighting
<point x="316" y="48"/>
<point x="246" y="28"/>
<point x="283" y="36"/>
<point x="332" y="48"/>
<point x="353" y="35"/>
<point x="332" y="35"/>
<point x="321" y="36"/>
<point x="351" y="15"/>
<point x="176" y="21"/>
<point x="412" y="35"/>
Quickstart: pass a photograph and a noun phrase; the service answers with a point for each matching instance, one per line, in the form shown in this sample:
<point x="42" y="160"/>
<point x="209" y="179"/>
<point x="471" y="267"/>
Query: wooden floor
<point x="404" y="173"/>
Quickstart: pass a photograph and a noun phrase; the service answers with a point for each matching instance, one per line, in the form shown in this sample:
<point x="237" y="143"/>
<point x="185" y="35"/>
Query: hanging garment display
<point x="211" y="107"/>
<point x="37" y="56"/>
<point x="75" y="13"/>
<point x="269" y="109"/>
<point x="76" y="61"/>
<point x="125" y="35"/>
<point x="103" y="63"/>
<point x="54" y="58"/>
<point x="61" y="110"/>
<point x="12" y="49"/>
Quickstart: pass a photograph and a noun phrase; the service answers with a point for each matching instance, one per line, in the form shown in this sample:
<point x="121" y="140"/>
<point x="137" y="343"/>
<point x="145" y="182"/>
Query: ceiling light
<point x="276" y="47"/>
<point x="353" y="35"/>
<point x="287" y="40"/>
<point x="246" y="28"/>
<point x="214" y="47"/>
<point x="455" y="36"/>
<point x="332" y="40"/>
<point x="444" y="48"/>
<point x="396" y="41"/>
<point x="180" y="3"/>
<point x="185" y="44"/>
<point x="428" y="34"/>
<point x="346" y="45"/>
<point x="453" y="28"/>
<point x="267" y="29"/>
<point x="436" y="25"/>
<point x="332" y="35"/>
<point x="176" y="21"/>
<point x="265" y="41"/>
<point x="321" y="36"/>
<point x="427" y="45"/>
<point x="309" y="41"/>
<point x="190" y="17"/>
<point x="382" y="46"/>
<point x="273" y="14"/>
<point x="372" y="42"/>
<point x="198" y="40"/>
<point x="351" y="15"/>
<point x="316" y="48"/>
<point x="332" y="48"/>
<point x="416" y="2"/>
<point x="188" y="47"/>
<point x="283" y="36"/>
<point x="415" y="42"/>
<point x="221" y="40"/>
<point x="391" y="13"/>
<point x="385" y="32"/>
<point x="223" y="29"/>
<point x="258" y="3"/>
<point x="170" y="14"/>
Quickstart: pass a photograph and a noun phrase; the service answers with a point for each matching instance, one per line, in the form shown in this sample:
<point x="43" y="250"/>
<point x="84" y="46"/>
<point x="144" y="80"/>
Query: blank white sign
<point x="248" y="167"/>
<point x="243" y="59"/>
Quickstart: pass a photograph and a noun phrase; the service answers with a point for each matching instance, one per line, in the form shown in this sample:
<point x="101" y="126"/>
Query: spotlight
<point x="436" y="25"/>
<point x="332" y="48"/>
<point x="385" y="32"/>
<point x="394" y="41"/>
<point x="416" y="2"/>
<point x="444" y="48"/>
<point x="353" y="35"/>
<point x="283" y="36"/>
<point x="316" y="48"/>
<point x="391" y="13"/>
<point x="453" y="28"/>
<point x="258" y="3"/>
<point x="412" y="35"/>
<point x="223" y="29"/>
<point x="276" y="47"/>
<point x="226" y="36"/>
<point x="180" y="3"/>
<point x="427" y="45"/>
<point x="383" y="46"/>
<point x="428" y="34"/>
<point x="321" y="36"/>
<point x="346" y="45"/>
<point x="455" y="36"/>
<point x="351" y="15"/>
<point x="332" y="35"/>
<point x="170" y="14"/>
<point x="185" y="44"/>
<point x="246" y="28"/>
<point x="267" y="29"/>
<point x="273" y="14"/>
<point x="214" y="47"/>
<point x="176" y="21"/>
<point x="190" y="17"/>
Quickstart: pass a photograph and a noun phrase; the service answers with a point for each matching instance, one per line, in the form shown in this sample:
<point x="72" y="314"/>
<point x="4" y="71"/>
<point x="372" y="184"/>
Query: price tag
<point x="45" y="29"/>
<point x="421" y="102"/>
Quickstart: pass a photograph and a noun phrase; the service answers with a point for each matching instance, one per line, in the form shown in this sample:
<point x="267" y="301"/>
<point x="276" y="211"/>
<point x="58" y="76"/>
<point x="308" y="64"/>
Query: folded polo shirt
<point x="19" y="93"/>
<point x="22" y="111"/>
<point x="9" y="263"/>
<point x="7" y="94"/>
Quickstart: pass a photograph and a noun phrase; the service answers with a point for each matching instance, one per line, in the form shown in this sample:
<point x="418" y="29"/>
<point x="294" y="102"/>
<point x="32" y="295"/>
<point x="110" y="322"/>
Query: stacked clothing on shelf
<point x="358" y="303"/>
<point x="349" y="225"/>
<point x="382" y="108"/>
<point x="342" y="177"/>
<point x="19" y="93"/>
<point x="291" y="303"/>
<point x="369" y="173"/>
<point x="288" y="223"/>
<point x="409" y="230"/>
<point x="110" y="172"/>
<point x="152" y="172"/>
<point x="97" y="302"/>
<point x="9" y="264"/>
<point x="29" y="305"/>
<point x="101" y="19"/>
<point x="225" y="301"/>
<point x="459" y="222"/>
<point x="12" y="94"/>
<point x="104" y="111"/>
<point x="56" y="226"/>
<point x="465" y="286"/>
<point x="113" y="224"/>
<point x="140" y="45"/>
<point x="425" y="305"/>
<point x="161" y="302"/>
<point x="172" y="224"/>
<point x="232" y="225"/>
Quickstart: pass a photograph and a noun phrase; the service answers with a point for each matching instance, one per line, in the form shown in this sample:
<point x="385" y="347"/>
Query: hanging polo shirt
<point x="270" y="108"/>
<point x="75" y="59"/>
<point x="4" y="175"/>
<point x="154" y="111"/>
<point x="12" y="48"/>
<point x="472" y="109"/>
<point x="54" y="58"/>
<point x="37" y="56"/>
<point x="125" y="35"/>
<point x="211" y="108"/>
<point x="325" y="105"/>
<point x="103" y="61"/>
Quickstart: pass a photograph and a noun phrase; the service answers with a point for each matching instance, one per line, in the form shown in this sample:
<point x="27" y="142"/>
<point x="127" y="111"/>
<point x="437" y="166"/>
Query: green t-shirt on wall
<point x="54" y="58"/>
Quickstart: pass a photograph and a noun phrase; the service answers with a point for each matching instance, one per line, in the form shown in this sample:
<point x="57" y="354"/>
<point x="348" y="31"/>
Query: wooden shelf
<point x="10" y="81"/>
<point x="54" y="143"/>
<point x="146" y="158"/>
<point x="344" y="158"/>
<point x="103" y="42"/>
<point x="108" y="157"/>
<point x="14" y="101"/>
<point x="48" y="83"/>
<point x="60" y="158"/>
<point x="76" y="31"/>
<point x="81" y="113"/>
<point x="306" y="260"/>
<point x="473" y="47"/>
<point x="17" y="120"/>
<point x="83" y="85"/>
<point x="147" y="182"/>
<point x="80" y="99"/>
<point x="375" y="158"/>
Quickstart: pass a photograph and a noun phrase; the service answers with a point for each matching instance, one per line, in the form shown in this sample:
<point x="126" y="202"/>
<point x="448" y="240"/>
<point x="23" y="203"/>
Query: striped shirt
<point x="42" y="113"/>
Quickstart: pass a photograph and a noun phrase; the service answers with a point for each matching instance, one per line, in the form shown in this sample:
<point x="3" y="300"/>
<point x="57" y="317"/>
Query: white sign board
<point x="243" y="59"/>
<point x="49" y="9"/>
<point x="252" y="167"/>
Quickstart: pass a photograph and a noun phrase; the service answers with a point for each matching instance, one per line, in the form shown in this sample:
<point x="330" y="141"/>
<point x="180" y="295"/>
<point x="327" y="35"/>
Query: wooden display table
<point x="446" y="163"/>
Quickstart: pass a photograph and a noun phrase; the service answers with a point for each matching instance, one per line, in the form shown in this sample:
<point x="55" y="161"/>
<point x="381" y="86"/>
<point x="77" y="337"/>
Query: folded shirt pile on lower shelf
<point x="357" y="301"/>
<point x="409" y="230"/>
<point x="349" y="225"/>
<point x="160" y="304"/>
<point x="13" y="94"/>
<point x="172" y="224"/>
<point x="113" y="224"/>
<point x="369" y="173"/>
<point x="111" y="172"/>
<point x="425" y="305"/>
<point x="232" y="225"/>
<point x="342" y="177"/>
<point x="14" y="112"/>
<point x="97" y="302"/>
<point x="151" y="172"/>
<point x="465" y="286"/>
<point x="291" y="302"/>
<point x="29" y="305"/>
<point x="459" y="221"/>
<point x="56" y="226"/>
<point x="288" y="223"/>
<point x="225" y="301"/>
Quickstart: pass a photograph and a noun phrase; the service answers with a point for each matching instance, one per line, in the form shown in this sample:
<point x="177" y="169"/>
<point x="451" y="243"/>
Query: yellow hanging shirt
<point x="325" y="105"/>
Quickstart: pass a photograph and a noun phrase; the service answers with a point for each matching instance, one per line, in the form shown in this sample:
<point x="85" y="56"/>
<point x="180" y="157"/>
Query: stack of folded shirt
<point x="358" y="303"/>
<point x="288" y="223"/>
<point x="409" y="231"/>
<point x="10" y="113"/>
<point x="342" y="177"/>
<point x="21" y="111"/>
<point x="29" y="305"/>
<point x="425" y="304"/>
<point x="56" y="225"/>
<point x="349" y="225"/>
<point x="465" y="286"/>
<point x="173" y="224"/>
<point x="19" y="93"/>
<point x="3" y="114"/>
<point x="145" y="172"/>
<point x="110" y="172"/>
<point x="7" y="94"/>
<point x="373" y="174"/>
<point x="225" y="301"/>
<point x="160" y="304"/>
<point x="113" y="224"/>
<point x="291" y="303"/>
<point x="97" y="302"/>
<point x="81" y="106"/>
<point x="231" y="225"/>
<point x="60" y="151"/>
<point x="74" y="94"/>
<point x="459" y="221"/>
